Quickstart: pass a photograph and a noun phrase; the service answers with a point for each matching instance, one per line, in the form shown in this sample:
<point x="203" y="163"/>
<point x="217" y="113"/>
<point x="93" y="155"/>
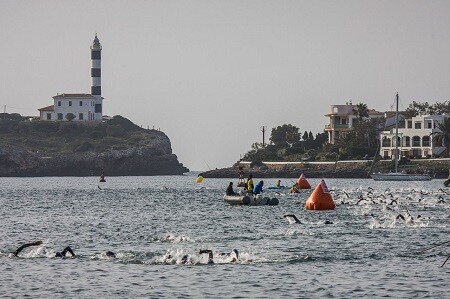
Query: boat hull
<point x="400" y="177"/>
<point x="250" y="200"/>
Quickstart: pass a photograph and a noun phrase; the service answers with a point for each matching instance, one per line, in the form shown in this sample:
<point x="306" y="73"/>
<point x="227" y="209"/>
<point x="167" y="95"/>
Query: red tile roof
<point x="48" y="108"/>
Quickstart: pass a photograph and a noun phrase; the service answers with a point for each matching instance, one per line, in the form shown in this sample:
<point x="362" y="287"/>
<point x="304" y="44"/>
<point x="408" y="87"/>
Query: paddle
<point x="445" y="261"/>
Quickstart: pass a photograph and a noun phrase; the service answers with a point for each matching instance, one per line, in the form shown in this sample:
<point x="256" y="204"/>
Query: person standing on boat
<point x="230" y="190"/>
<point x="279" y="183"/>
<point x="258" y="188"/>
<point x="250" y="183"/>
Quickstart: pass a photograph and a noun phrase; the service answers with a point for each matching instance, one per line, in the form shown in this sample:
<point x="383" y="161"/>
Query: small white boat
<point x="250" y="200"/>
<point x="399" y="176"/>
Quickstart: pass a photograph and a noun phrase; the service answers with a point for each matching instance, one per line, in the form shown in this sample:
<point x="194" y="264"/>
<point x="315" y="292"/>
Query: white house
<point x="80" y="106"/>
<point x="414" y="139"/>
<point x="341" y="118"/>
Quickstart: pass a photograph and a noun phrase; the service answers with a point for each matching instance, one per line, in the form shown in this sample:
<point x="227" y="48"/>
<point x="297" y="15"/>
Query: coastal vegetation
<point x="287" y="143"/>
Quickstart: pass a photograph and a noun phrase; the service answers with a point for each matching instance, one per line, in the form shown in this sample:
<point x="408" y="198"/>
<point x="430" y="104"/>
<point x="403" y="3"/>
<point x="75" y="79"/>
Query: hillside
<point x="44" y="148"/>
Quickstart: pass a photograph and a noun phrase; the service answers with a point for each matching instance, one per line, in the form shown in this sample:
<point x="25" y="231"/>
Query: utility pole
<point x="263" y="130"/>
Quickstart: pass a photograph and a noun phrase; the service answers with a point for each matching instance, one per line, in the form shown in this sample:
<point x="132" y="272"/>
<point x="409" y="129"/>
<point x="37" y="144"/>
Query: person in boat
<point x="294" y="189"/>
<point x="102" y="176"/>
<point x="249" y="183"/>
<point x="241" y="181"/>
<point x="258" y="188"/>
<point x="37" y="243"/>
<point x="230" y="190"/>
<point x="279" y="184"/>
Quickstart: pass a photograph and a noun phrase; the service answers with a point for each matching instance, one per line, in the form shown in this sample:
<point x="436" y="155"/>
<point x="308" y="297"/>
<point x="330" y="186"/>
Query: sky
<point x="210" y="74"/>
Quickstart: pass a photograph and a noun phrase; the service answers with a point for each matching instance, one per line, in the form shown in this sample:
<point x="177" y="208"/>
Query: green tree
<point x="305" y="136"/>
<point x="285" y="135"/>
<point x="444" y="135"/>
<point x="416" y="108"/>
<point x="361" y="111"/>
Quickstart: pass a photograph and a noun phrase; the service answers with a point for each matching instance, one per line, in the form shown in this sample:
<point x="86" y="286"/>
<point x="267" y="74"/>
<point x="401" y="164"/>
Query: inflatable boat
<point x="250" y="200"/>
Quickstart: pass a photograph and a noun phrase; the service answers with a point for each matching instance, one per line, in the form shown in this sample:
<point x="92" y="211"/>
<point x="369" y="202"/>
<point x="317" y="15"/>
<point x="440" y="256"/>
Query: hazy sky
<point x="210" y="73"/>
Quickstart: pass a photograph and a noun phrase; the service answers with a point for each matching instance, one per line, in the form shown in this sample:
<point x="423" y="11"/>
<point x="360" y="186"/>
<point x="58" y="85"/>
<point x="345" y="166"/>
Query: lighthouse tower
<point x="96" y="75"/>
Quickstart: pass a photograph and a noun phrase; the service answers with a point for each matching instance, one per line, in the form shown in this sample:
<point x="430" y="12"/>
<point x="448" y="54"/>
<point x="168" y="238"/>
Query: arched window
<point x="386" y="142"/>
<point x="416" y="141"/>
<point x="426" y="140"/>
<point x="406" y="141"/>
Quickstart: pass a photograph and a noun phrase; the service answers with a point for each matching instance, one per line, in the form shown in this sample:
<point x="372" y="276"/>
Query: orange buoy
<point x="302" y="182"/>
<point x="320" y="198"/>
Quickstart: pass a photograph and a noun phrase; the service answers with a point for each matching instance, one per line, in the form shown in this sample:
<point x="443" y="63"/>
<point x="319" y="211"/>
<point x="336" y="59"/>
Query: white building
<point x="80" y="106"/>
<point x="414" y="139"/>
<point x="341" y="119"/>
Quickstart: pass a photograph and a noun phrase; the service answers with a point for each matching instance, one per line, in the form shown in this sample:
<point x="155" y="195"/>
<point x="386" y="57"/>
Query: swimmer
<point x="393" y="202"/>
<point x="234" y="258"/>
<point x="210" y="255"/>
<point x="296" y="220"/>
<point x="63" y="253"/>
<point x="37" y="243"/>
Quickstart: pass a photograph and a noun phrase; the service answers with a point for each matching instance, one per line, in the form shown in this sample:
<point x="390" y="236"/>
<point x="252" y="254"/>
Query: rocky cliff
<point x="42" y="148"/>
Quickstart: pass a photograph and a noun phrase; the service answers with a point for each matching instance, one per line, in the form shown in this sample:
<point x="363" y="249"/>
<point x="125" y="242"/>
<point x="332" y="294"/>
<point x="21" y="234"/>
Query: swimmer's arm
<point x="18" y="250"/>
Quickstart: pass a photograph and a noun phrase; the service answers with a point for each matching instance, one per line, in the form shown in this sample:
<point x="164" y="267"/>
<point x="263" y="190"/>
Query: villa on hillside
<point x="341" y="119"/>
<point x="79" y="106"/>
<point x="414" y="134"/>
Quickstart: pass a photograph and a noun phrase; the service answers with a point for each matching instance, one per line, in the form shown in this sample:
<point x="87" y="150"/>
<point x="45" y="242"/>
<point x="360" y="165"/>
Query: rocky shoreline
<point x="437" y="168"/>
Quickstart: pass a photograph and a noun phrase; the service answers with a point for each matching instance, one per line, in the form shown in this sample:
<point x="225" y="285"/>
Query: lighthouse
<point x="96" y="76"/>
<point x="80" y="106"/>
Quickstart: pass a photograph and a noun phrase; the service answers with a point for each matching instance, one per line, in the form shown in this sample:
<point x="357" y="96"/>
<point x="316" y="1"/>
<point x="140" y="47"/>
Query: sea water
<point x="151" y="223"/>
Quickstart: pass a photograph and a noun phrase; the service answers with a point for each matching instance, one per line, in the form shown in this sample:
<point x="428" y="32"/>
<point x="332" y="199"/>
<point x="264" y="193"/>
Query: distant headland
<point x="48" y="148"/>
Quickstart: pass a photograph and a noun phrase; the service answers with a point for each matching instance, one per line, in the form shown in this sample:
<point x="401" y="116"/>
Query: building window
<point x="386" y="142"/>
<point x="417" y="152"/>
<point x="49" y="116"/>
<point x="417" y="125"/>
<point x="98" y="108"/>
<point x="409" y="124"/>
<point x="80" y="116"/>
<point x="70" y="103"/>
<point x="59" y="103"/>
<point x="60" y="116"/>
<point x="81" y="103"/>
<point x="426" y="141"/>
<point x="343" y="121"/>
<point x="416" y="141"/>
<point x="429" y="125"/>
<point x="407" y="141"/>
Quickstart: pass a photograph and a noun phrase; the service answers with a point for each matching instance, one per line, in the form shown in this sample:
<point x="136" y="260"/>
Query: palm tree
<point x="444" y="135"/>
<point x="361" y="111"/>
